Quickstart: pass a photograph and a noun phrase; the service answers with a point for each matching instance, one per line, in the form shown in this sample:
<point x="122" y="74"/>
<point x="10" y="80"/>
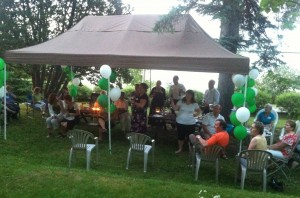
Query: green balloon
<point x="2" y="75"/>
<point x="1" y="83"/>
<point x="73" y="91"/>
<point x="113" y="76"/>
<point x="71" y="75"/>
<point x="250" y="94"/>
<point x="251" y="101"/>
<point x="103" y="100"/>
<point x="233" y="119"/>
<point x="112" y="108"/>
<point x="240" y="132"/>
<point x="2" y="63"/>
<point x="237" y="99"/>
<point x="252" y="108"/>
<point x="103" y="84"/>
<point x="251" y="82"/>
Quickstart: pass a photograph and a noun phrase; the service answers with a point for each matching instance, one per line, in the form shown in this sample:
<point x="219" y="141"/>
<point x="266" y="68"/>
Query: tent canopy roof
<point x="129" y="41"/>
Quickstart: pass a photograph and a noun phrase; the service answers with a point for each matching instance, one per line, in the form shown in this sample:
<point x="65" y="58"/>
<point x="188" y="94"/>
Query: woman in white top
<point x="185" y="120"/>
<point x="55" y="107"/>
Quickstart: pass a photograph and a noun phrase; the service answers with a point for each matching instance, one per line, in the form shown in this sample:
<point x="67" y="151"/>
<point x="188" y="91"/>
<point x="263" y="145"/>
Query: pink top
<point x="290" y="140"/>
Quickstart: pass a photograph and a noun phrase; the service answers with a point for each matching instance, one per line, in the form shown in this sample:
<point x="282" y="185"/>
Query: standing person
<point x="139" y="113"/>
<point x="37" y="100"/>
<point x="56" y="109"/>
<point x="211" y="96"/>
<point x="185" y="120"/>
<point x="208" y="123"/>
<point x="134" y="95"/>
<point x="176" y="92"/>
<point x="122" y="113"/>
<point x="158" y="95"/>
<point x="71" y="114"/>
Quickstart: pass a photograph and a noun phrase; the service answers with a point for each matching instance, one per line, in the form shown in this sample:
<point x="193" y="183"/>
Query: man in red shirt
<point x="221" y="137"/>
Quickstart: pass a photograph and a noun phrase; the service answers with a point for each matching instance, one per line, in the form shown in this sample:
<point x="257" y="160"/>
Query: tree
<point x="280" y="80"/>
<point x="25" y="23"/>
<point x="243" y="26"/>
<point x="287" y="9"/>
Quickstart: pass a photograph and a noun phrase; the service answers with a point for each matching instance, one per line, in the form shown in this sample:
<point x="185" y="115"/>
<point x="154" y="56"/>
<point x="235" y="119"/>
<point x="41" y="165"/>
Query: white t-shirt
<point x="209" y="121"/>
<point x="177" y="91"/>
<point x="212" y="96"/>
<point x="186" y="113"/>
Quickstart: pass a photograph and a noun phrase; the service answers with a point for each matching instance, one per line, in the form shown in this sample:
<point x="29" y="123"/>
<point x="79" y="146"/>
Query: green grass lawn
<point x="33" y="166"/>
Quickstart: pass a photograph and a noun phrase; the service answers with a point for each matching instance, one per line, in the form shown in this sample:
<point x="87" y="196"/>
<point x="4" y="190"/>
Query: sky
<point x="197" y="80"/>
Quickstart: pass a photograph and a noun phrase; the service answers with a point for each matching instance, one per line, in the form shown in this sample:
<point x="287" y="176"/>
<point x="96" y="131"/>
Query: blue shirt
<point x="266" y="119"/>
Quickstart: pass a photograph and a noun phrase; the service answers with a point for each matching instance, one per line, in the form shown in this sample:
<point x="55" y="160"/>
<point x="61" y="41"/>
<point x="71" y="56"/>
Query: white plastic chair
<point x="255" y="161"/>
<point x="79" y="139"/>
<point x="274" y="123"/>
<point x="209" y="154"/>
<point x="138" y="144"/>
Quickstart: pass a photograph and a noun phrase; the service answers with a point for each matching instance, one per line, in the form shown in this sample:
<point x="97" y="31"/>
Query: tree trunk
<point x="229" y="37"/>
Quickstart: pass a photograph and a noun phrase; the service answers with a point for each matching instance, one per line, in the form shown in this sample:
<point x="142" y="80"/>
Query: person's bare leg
<point x="180" y="145"/>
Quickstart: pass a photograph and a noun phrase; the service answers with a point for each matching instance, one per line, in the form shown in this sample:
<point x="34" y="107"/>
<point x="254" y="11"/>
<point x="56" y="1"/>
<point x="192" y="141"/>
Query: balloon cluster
<point x="244" y="100"/>
<point x="108" y="75"/>
<point x="75" y="81"/>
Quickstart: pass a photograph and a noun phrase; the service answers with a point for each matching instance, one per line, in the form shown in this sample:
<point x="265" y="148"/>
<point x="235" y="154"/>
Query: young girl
<point x="37" y="100"/>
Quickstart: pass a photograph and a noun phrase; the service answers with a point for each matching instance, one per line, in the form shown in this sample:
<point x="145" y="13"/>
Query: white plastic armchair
<point x="255" y="161"/>
<point x="79" y="139"/>
<point x="209" y="154"/>
<point x="138" y="143"/>
<point x="274" y="123"/>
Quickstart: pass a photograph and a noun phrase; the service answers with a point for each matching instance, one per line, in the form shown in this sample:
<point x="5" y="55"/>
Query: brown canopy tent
<point x="129" y="41"/>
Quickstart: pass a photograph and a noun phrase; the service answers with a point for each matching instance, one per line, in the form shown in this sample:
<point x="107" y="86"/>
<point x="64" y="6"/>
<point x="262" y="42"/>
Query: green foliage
<point x="128" y="90"/>
<point x="34" y="166"/>
<point x="289" y="11"/>
<point x="262" y="98"/>
<point x="290" y="102"/>
<point x="84" y="94"/>
<point x="26" y="23"/>
<point x="280" y="80"/>
<point x="199" y="97"/>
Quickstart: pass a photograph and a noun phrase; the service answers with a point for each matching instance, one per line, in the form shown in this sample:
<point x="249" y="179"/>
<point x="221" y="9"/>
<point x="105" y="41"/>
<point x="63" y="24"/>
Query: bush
<point x="262" y="98"/>
<point x="291" y="102"/>
<point x="199" y="97"/>
<point x="84" y="94"/>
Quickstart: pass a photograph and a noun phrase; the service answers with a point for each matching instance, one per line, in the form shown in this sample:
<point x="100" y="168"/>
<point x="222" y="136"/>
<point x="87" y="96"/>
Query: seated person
<point x="10" y="112"/>
<point x="282" y="149"/>
<point x="103" y="123"/>
<point x="209" y="120"/>
<point x="56" y="109"/>
<point x="267" y="117"/>
<point x="71" y="114"/>
<point x="11" y="101"/>
<point x="122" y="113"/>
<point x="258" y="141"/>
<point x="37" y="100"/>
<point x="220" y="138"/>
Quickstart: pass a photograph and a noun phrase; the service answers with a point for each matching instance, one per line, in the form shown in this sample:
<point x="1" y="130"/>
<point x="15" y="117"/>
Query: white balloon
<point x="255" y="90"/>
<point x="253" y="73"/>
<point x="238" y="80"/>
<point x="64" y="66"/>
<point x="2" y="92"/>
<point x="115" y="93"/>
<point x="243" y="114"/>
<point x="105" y="71"/>
<point x="76" y="81"/>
